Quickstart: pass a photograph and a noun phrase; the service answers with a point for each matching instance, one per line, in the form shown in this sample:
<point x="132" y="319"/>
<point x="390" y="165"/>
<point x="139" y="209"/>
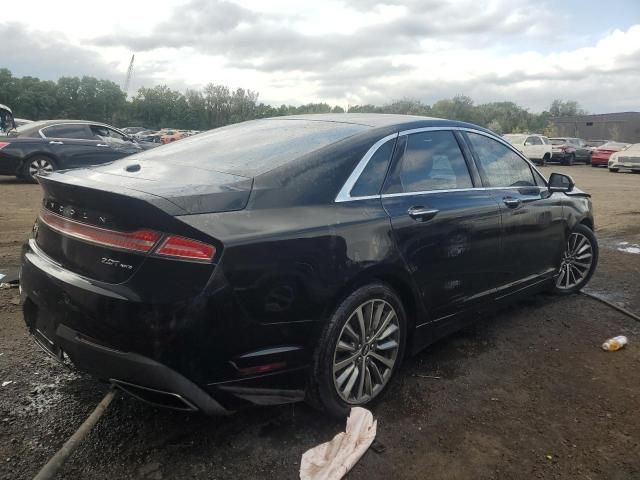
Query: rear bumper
<point x="8" y="164"/>
<point x="600" y="161"/>
<point x="140" y="376"/>
<point x="160" y="360"/>
<point x="560" y="155"/>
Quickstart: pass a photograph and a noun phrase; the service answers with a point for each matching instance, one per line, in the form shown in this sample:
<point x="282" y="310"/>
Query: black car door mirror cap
<point x="559" y="182"/>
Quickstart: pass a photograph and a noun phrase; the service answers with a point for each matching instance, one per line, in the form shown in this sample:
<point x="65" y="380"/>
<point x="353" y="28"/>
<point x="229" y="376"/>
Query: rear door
<point x="536" y="147"/>
<point x="73" y="144"/>
<point x="533" y="228"/>
<point x="446" y="230"/>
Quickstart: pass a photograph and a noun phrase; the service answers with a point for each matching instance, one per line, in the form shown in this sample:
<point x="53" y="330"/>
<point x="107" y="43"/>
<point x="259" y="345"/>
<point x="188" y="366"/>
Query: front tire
<point x="579" y="261"/>
<point x="359" y="351"/>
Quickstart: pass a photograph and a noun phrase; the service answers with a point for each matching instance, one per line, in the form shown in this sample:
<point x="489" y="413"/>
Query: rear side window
<point x="534" y="141"/>
<point x="370" y="181"/>
<point x="77" y="131"/>
<point x="500" y="166"/>
<point x="431" y="161"/>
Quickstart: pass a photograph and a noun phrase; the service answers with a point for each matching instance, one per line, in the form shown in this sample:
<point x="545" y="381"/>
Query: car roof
<point x="34" y="127"/>
<point x="378" y="121"/>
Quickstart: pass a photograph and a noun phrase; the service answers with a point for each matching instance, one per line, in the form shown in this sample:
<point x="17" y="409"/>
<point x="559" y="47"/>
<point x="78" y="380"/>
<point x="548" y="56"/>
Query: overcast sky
<point x="351" y="52"/>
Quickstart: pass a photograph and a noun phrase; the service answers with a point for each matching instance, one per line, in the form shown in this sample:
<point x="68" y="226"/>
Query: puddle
<point x="621" y="246"/>
<point x="627" y="247"/>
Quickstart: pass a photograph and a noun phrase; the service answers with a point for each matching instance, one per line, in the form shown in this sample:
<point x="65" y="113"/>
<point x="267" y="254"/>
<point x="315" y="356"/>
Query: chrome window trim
<point x="344" y="195"/>
<point x="40" y="132"/>
<point x="451" y="190"/>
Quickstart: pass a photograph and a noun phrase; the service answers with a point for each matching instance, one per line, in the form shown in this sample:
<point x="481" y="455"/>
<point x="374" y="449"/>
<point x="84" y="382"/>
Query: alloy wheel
<point x="576" y="262"/>
<point x="40" y="165"/>
<point x="366" y="352"/>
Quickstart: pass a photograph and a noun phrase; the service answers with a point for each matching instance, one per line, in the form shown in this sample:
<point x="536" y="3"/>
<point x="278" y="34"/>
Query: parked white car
<point x="629" y="158"/>
<point x="536" y="148"/>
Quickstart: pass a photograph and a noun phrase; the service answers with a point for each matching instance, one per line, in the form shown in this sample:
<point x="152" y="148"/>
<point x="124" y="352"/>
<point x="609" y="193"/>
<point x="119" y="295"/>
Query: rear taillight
<point x="3" y="144"/>
<point x="185" y="249"/>
<point x="564" y="148"/>
<point x="143" y="241"/>
<point x="138" y="241"/>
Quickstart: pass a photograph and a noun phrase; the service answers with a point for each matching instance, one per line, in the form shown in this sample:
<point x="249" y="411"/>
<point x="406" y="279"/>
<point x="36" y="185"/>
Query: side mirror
<point x="560" y="183"/>
<point x="527" y="143"/>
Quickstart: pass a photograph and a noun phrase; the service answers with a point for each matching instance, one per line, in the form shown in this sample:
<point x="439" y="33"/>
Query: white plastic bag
<point x="332" y="460"/>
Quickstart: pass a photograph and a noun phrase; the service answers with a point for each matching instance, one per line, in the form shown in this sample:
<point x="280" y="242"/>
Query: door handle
<point x="421" y="213"/>
<point x="511" y="202"/>
<point x="102" y="145"/>
<point x="54" y="142"/>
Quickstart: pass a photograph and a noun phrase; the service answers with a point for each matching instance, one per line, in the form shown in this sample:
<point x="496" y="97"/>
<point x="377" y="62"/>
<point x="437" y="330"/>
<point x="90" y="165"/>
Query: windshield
<point x="558" y="141"/>
<point x="614" y="146"/>
<point x="252" y="148"/>
<point x="634" y="148"/>
<point x="515" y="139"/>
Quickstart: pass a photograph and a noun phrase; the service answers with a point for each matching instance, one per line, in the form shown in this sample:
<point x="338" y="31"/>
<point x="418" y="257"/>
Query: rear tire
<point x="35" y="165"/>
<point x="579" y="261"/>
<point x="545" y="159"/>
<point x="359" y="351"/>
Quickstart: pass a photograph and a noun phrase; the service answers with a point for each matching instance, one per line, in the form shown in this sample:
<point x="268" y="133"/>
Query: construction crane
<point x="129" y="75"/>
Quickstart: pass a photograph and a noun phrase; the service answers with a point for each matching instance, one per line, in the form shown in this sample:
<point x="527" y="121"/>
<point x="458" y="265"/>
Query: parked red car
<point x="600" y="156"/>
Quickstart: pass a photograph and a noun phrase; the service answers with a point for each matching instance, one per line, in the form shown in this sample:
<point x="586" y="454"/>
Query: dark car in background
<point x="600" y="156"/>
<point x="568" y="150"/>
<point x="292" y="258"/>
<point x="50" y="145"/>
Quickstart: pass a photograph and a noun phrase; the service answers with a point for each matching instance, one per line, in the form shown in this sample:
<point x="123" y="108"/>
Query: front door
<point x="533" y="227"/>
<point x="446" y="230"/>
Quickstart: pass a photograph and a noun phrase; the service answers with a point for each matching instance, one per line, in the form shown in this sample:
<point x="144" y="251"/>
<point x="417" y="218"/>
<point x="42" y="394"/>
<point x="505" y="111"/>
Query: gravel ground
<point x="526" y="393"/>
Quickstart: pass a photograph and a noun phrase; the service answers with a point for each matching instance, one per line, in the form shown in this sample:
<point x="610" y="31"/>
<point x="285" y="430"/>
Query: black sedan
<point x="51" y="145"/>
<point x="292" y="258"/>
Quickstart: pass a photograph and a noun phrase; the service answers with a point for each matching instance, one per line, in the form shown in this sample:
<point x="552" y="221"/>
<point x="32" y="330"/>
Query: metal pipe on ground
<point x="56" y="462"/>
<point x="612" y="305"/>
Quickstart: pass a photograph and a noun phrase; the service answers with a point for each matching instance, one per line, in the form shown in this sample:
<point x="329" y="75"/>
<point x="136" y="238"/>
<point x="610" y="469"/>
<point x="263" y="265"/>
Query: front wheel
<point x="579" y="261"/>
<point x="359" y="350"/>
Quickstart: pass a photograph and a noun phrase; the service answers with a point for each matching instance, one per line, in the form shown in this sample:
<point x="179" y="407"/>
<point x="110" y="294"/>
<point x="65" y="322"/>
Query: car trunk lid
<point x="106" y="223"/>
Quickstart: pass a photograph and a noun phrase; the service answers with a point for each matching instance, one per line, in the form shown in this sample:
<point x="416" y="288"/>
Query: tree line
<point x="89" y="98"/>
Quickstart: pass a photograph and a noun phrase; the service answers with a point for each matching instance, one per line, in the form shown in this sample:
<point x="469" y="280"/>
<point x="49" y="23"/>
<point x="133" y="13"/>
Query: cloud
<point x="48" y="55"/>
<point x="355" y="51"/>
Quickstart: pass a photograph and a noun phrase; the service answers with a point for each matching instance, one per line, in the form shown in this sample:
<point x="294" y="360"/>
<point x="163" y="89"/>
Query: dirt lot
<point x="525" y="394"/>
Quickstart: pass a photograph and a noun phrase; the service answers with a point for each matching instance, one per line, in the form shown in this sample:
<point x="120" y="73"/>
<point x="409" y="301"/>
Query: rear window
<point x="558" y="141"/>
<point x="252" y="148"/>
